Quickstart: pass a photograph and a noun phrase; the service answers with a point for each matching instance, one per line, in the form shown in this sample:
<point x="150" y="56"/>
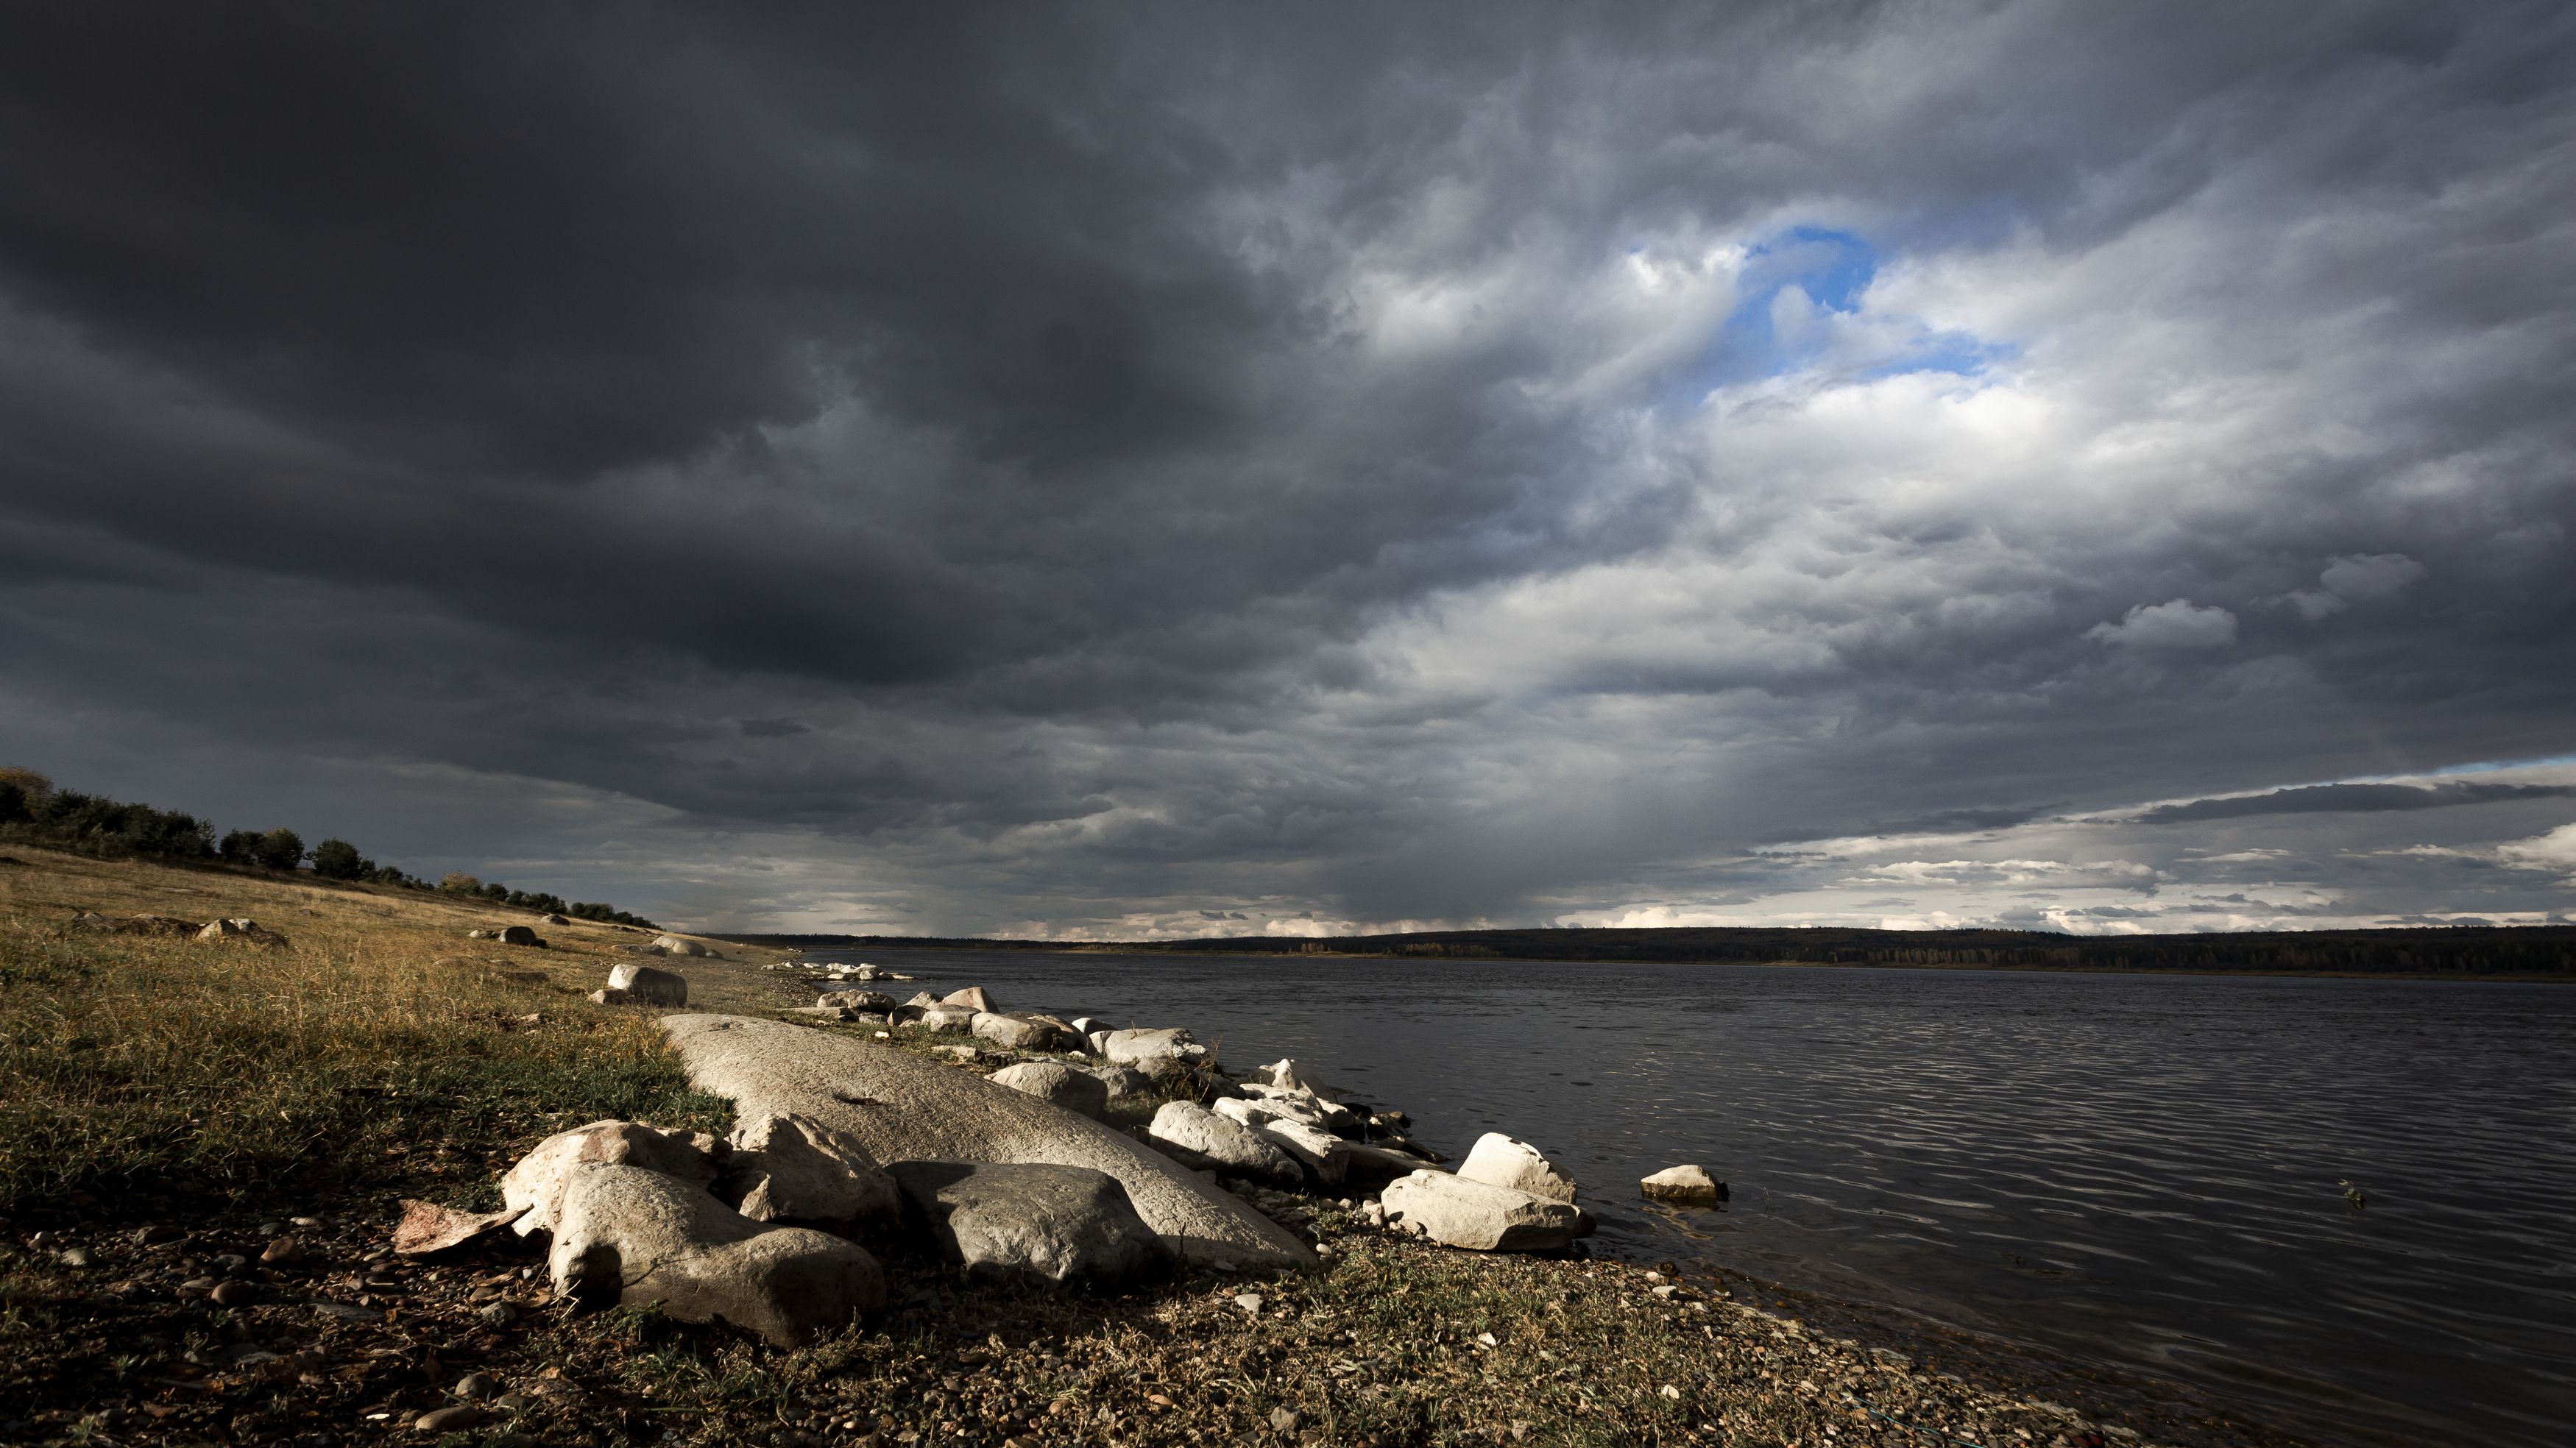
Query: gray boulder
<point x="1202" y="1138"/>
<point x="856" y="1000"/>
<point x="1478" y="1217"/>
<point x="1012" y="1033"/>
<point x="650" y="1240"/>
<point x="1077" y="1091"/>
<point x="1049" y="1223"/>
<point x="551" y="919"/>
<point x="796" y="1169"/>
<point x="972" y="998"/>
<point x="679" y="945"/>
<point x="535" y="1186"/>
<point x="649" y="984"/>
<point x="604" y="997"/>
<point x="1498" y="1160"/>
<point x="902" y="1107"/>
<point x="516" y="935"/>
<point x="947" y="1018"/>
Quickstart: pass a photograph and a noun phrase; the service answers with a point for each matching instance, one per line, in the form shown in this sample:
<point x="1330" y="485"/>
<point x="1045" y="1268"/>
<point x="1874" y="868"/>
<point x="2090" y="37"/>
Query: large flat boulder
<point x="679" y="945"/>
<point x="902" y="1107"/>
<point x="1481" y="1218"/>
<point x="652" y="1240"/>
<point x="1050" y="1224"/>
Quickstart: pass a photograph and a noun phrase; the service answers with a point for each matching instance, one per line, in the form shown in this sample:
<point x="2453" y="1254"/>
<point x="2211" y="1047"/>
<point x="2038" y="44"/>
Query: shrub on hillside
<point x="281" y="849"/>
<point x="337" y="859"/>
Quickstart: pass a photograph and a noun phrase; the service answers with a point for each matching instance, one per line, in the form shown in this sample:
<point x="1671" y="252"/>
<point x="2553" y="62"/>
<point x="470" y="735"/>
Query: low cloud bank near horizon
<point x="1133" y="473"/>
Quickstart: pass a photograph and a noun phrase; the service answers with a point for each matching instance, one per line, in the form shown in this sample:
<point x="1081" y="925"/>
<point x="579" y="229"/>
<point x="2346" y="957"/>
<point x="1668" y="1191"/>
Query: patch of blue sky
<point x="1833" y="270"/>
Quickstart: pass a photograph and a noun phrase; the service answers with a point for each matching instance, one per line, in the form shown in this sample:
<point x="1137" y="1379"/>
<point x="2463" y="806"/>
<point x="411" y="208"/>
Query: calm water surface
<point x="2131" y="1170"/>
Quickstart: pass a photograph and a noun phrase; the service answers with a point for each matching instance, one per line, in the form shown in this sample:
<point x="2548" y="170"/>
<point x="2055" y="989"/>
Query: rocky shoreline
<point x="933" y="1221"/>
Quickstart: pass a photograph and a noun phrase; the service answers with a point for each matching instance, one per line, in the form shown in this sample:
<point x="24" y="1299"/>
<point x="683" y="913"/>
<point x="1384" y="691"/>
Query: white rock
<point x="536" y="1183"/>
<point x="1287" y="1075"/>
<point x="677" y="945"/>
<point x="1482" y="1218"/>
<point x="1201" y="1137"/>
<point x="1325" y="1155"/>
<point x="1689" y="1186"/>
<point x="656" y="1241"/>
<point x="1498" y="1160"/>
<point x="650" y="984"/>
<point x="1012" y="1033"/>
<point x="972" y="998"/>
<point x="1151" y="1048"/>
<point x="948" y="1018"/>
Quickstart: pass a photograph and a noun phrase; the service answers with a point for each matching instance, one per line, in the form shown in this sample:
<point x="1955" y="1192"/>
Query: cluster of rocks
<point x="1016" y="1172"/>
<point x="239" y="930"/>
<point x="839" y="971"/>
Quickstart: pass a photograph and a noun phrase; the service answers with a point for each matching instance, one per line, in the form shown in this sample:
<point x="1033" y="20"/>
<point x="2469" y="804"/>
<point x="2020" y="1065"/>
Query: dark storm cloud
<point x="1088" y="469"/>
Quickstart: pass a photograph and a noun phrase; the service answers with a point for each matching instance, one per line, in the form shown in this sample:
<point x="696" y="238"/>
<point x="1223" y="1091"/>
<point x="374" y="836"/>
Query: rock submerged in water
<point x="1481" y="1218"/>
<point x="1687" y="1186"/>
<point x="1031" y="1220"/>
<point x="653" y="1240"/>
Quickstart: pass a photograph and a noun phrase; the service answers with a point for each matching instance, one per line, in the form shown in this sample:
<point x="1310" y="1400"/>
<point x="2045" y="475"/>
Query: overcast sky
<point x="1126" y="470"/>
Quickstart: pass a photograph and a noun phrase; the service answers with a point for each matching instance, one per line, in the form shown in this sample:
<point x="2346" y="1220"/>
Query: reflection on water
<point x="2139" y="1171"/>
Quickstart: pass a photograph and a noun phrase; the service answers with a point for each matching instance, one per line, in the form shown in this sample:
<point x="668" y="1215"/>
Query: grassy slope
<point x="206" y="1090"/>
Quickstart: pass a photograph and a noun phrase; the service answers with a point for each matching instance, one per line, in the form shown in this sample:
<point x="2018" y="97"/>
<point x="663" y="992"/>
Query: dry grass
<point x="154" y="1064"/>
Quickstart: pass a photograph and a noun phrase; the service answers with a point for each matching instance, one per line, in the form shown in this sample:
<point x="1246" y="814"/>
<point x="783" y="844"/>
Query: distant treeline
<point x="32" y="809"/>
<point x="2519" y="950"/>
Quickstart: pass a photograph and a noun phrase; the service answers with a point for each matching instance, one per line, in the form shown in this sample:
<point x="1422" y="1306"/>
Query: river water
<point x="2140" y="1172"/>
